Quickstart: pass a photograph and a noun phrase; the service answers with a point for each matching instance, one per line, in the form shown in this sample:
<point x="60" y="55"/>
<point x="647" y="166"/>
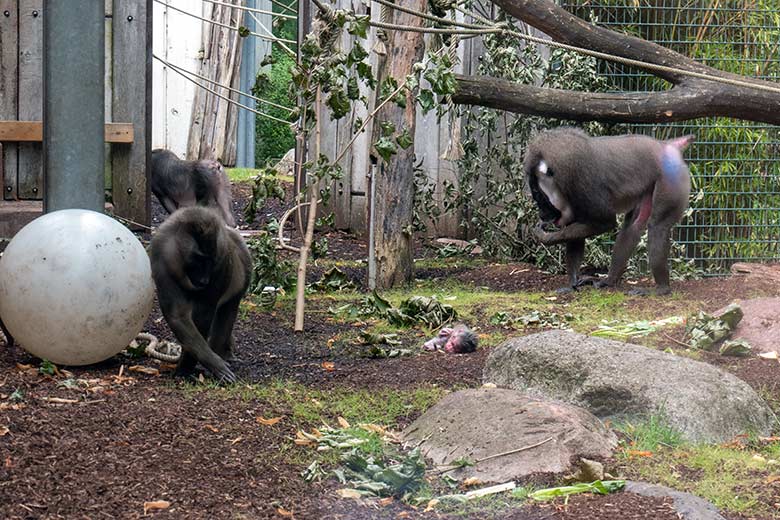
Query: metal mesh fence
<point x="735" y="164"/>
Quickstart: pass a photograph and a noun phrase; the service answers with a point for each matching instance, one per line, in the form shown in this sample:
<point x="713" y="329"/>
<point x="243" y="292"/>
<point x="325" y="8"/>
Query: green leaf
<point x="404" y="139"/>
<point x="339" y="103"/>
<point x="353" y="92"/>
<point x="427" y="100"/>
<point x="385" y="147"/>
<point x="359" y="26"/>
<point x="365" y="73"/>
<point x="244" y="32"/>
<point x="387" y="128"/>
<point x="356" y="55"/>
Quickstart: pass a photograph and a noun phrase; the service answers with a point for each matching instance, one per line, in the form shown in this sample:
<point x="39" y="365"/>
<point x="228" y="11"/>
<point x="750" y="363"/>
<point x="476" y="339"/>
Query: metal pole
<point x="73" y="104"/>
<point x="371" y="224"/>
<point x="245" y="138"/>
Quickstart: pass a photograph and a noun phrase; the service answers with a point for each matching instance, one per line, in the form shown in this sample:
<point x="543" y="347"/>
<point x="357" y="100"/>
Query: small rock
<point x="286" y="166"/>
<point x="689" y="507"/>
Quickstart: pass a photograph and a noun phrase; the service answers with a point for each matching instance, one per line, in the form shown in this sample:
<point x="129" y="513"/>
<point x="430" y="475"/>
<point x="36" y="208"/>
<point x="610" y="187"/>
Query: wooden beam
<point x="32" y="131"/>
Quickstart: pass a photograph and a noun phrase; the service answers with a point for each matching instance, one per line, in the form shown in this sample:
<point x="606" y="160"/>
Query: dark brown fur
<point x="201" y="270"/>
<point x="177" y="183"/>
<point x="597" y="178"/>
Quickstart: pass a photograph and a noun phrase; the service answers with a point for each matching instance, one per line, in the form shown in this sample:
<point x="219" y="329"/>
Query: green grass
<point x="729" y="478"/>
<point x="650" y="434"/>
<point x="306" y="407"/>
<point x="247" y="174"/>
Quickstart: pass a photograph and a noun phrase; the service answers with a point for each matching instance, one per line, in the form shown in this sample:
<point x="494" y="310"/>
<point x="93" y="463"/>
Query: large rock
<point x="478" y="423"/>
<point x="760" y="325"/>
<point x="617" y="380"/>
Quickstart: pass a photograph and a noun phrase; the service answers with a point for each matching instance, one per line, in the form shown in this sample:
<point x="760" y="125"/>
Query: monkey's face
<point x="553" y="205"/>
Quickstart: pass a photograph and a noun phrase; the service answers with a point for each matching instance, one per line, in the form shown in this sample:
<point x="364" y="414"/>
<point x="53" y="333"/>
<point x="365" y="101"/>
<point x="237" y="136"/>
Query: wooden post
<point x="132" y="103"/>
<point x="30" y="173"/>
<point x="394" y="202"/>
<point x="9" y="66"/>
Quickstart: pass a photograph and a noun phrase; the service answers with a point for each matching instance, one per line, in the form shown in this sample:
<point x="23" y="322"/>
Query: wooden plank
<point x="9" y="65"/>
<point x="132" y="102"/>
<point x="30" y="174"/>
<point x="32" y="131"/>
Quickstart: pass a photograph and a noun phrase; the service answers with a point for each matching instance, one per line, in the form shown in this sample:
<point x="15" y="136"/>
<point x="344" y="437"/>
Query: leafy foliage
<point x="267" y="269"/>
<point x="265" y="185"/>
<point x="273" y="138"/>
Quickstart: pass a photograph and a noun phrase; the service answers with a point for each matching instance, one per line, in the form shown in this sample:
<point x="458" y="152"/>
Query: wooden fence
<point x="127" y="100"/>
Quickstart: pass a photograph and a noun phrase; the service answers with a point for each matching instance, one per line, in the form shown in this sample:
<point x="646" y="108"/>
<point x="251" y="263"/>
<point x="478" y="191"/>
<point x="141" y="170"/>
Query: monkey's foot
<point x="594" y="281"/>
<point x="231" y="358"/>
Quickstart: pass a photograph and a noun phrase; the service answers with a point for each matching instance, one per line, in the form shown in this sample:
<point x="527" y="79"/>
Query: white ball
<point x="75" y="287"/>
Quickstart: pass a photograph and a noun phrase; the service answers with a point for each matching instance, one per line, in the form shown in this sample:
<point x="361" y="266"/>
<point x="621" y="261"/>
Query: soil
<point x="103" y="449"/>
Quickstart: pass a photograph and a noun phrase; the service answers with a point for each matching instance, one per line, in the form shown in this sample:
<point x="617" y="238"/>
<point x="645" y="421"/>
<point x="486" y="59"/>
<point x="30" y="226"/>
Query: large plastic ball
<point x="75" y="287"/>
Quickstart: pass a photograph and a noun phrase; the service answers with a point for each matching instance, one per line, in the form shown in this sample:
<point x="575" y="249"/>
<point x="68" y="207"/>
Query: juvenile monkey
<point x="177" y="183"/>
<point x="201" y="270"/>
<point x="581" y="183"/>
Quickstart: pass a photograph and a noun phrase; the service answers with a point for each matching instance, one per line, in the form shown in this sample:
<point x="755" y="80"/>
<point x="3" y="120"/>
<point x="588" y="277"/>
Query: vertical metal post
<point x="73" y="104"/>
<point x="245" y="139"/>
<point x="371" y="223"/>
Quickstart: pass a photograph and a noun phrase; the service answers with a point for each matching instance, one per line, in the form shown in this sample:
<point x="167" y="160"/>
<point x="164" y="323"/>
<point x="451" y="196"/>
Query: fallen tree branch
<point x="692" y="97"/>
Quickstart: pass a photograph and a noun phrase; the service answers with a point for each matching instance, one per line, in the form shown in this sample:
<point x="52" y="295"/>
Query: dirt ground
<point x="120" y="438"/>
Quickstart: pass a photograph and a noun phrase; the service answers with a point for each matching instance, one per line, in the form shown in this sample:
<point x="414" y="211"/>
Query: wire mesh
<point x="734" y="164"/>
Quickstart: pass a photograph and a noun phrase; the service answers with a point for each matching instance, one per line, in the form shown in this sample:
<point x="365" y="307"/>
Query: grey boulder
<point x="615" y="380"/>
<point x="487" y="423"/>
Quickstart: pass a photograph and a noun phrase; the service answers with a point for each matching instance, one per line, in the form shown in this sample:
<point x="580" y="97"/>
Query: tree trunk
<point x="213" y="124"/>
<point x="393" y="244"/>
<point x="690" y="98"/>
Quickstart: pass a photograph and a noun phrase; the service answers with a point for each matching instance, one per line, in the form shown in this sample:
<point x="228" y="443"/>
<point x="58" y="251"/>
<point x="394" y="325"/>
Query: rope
<point x="226" y="26"/>
<point x="253" y="10"/>
<point x="239" y="92"/>
<point x="261" y="114"/>
<point x="490" y="27"/>
<point x="164" y="350"/>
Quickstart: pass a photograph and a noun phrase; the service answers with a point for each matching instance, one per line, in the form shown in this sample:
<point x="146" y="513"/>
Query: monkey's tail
<point x="681" y="143"/>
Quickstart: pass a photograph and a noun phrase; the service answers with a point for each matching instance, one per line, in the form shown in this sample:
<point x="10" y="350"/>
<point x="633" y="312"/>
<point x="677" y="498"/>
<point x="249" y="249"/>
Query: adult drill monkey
<point x="177" y="183"/>
<point x="581" y="183"/>
<point x="201" y="270"/>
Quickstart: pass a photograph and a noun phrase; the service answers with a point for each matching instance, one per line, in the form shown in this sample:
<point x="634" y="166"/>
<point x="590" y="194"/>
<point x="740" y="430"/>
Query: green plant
<point x="273" y="83"/>
<point x="267" y="268"/>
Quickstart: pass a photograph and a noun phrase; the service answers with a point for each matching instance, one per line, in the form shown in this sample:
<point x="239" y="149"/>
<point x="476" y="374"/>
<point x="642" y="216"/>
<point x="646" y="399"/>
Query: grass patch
<point x="306" y="407"/>
<point x="650" y="434"/>
<point x="248" y="174"/>
<point x="729" y="478"/>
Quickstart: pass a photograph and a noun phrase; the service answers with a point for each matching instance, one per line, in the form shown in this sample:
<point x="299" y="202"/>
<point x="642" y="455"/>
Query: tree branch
<point x="678" y="104"/>
<point x="689" y="99"/>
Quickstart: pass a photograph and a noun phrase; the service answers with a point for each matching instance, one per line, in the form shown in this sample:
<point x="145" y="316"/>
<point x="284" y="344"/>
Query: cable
<point x="226" y="26"/>
<point x="204" y="78"/>
<point x="261" y="114"/>
<point x="253" y="10"/>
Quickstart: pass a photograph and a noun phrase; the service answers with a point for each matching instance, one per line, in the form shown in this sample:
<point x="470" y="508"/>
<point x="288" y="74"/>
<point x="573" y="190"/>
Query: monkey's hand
<point x="544" y="236"/>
